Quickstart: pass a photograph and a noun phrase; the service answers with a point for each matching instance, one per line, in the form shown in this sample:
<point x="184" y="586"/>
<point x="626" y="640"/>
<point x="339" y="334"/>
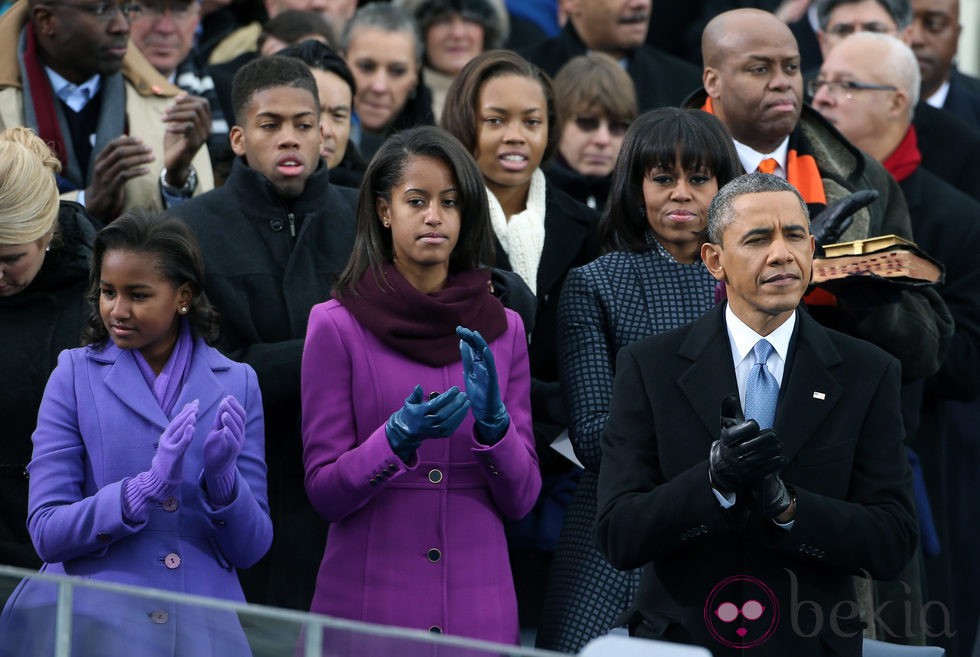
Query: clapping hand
<point x="418" y="420"/>
<point x="166" y="469"/>
<point x="743" y="453"/>
<point x="221" y="449"/>
<point x="480" y="372"/>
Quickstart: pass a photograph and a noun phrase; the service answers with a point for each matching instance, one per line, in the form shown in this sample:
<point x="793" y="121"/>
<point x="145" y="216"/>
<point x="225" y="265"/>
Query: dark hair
<point x="372" y="243"/>
<point x="266" y="73"/>
<point x="459" y="116"/>
<point x="481" y="12"/>
<point x="899" y="10"/>
<point x="321" y="57"/>
<point x="293" y="24"/>
<point x="721" y="211"/>
<point x="178" y="257"/>
<point x="668" y="138"/>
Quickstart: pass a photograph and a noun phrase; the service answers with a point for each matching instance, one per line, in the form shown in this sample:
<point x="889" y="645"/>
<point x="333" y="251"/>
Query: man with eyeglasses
<point x="617" y="28"/>
<point x="877" y="119"/>
<point x="125" y="136"/>
<point x="164" y="30"/>
<point x="950" y="147"/>
<point x="934" y="36"/>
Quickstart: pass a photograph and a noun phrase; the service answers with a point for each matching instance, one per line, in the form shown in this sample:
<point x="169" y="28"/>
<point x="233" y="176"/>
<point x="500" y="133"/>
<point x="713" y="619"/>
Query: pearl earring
<point x="387" y="224"/>
<point x="47" y="248"/>
<point x="183" y="310"/>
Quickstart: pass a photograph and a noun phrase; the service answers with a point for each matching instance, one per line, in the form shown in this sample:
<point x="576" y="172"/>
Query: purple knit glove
<point x="153" y="486"/>
<point x="221" y="449"/>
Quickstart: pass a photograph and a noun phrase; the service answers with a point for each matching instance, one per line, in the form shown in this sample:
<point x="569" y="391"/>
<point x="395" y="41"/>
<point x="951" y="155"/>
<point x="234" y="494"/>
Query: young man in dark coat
<point x="274" y="238"/>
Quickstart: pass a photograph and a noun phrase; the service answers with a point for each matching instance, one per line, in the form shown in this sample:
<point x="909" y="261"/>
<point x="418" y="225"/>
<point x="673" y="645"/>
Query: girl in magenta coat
<point x="148" y="465"/>
<point x="416" y="431"/>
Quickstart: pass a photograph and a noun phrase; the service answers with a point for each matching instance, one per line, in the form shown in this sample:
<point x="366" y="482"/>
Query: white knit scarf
<point x="523" y="236"/>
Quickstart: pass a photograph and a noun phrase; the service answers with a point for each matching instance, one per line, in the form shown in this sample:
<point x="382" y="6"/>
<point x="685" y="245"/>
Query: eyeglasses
<point x="179" y="11"/>
<point x="848" y="87"/>
<point x="592" y="123"/>
<point x="104" y="11"/>
<point x="842" y="30"/>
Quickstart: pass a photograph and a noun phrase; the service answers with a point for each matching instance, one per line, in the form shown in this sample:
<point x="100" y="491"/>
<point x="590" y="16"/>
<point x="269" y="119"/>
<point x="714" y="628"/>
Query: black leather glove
<point x="831" y="222"/>
<point x="769" y="496"/>
<point x="742" y="454"/>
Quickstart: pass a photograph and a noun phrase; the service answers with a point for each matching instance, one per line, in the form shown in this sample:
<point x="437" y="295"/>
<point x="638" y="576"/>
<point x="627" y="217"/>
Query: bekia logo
<point x="741" y="612"/>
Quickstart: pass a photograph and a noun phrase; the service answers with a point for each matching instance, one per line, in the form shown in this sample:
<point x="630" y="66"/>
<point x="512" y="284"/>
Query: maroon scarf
<point x="906" y="158"/>
<point x="423" y="326"/>
<point x="43" y="99"/>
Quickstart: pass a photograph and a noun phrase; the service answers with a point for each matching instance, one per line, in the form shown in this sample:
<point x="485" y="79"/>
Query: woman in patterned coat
<point x="650" y="280"/>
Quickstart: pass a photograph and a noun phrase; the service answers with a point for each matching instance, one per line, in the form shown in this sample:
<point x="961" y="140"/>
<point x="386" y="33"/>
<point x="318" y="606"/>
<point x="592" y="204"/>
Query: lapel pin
<point x="819" y="395"/>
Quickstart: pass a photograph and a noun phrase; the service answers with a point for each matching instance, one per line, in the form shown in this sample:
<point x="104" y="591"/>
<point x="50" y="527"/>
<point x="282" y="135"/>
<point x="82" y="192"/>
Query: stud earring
<point x="183" y="310"/>
<point x="47" y="247"/>
<point x="386" y="224"/>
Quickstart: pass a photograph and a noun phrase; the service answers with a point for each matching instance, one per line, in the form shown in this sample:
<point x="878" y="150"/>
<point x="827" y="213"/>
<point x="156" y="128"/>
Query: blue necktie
<point x="761" y="390"/>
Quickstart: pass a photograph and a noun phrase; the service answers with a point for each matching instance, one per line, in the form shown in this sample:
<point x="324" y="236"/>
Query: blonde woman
<point x="45" y="249"/>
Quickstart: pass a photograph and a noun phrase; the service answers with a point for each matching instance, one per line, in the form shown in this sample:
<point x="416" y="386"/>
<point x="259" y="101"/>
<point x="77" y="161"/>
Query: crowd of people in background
<point x="414" y="312"/>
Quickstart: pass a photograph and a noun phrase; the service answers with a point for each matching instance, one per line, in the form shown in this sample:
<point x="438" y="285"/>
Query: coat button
<point x="170" y="504"/>
<point x="172" y="561"/>
<point x="103" y="538"/>
<point x="435" y="629"/>
<point x="159" y="617"/>
<point x="433" y="555"/>
<point x="435" y="476"/>
<point x="392" y="467"/>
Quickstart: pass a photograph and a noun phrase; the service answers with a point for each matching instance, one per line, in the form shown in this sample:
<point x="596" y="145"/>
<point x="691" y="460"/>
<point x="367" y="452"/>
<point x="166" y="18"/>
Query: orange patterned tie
<point x="768" y="165"/>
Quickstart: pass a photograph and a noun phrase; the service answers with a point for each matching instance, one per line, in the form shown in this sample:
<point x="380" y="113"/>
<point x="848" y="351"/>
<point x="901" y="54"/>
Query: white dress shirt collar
<point x="750" y="158"/>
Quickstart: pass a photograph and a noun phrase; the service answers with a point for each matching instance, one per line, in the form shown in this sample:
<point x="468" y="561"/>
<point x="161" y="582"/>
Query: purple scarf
<point x="166" y="385"/>
<point x="423" y="326"/>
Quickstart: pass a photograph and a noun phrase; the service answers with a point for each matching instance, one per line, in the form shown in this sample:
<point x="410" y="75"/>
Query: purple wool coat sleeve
<point x="98" y="425"/>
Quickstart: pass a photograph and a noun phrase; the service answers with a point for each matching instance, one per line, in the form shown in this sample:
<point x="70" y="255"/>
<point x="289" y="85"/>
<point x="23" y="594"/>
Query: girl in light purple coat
<point x="416" y="431"/>
<point x="148" y="466"/>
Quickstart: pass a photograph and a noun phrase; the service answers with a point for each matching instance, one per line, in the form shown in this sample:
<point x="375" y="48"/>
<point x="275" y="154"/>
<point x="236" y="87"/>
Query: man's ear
<point x="711" y="257"/>
<point x="43" y="19"/>
<point x="237" y="137"/>
<point x="710" y="80"/>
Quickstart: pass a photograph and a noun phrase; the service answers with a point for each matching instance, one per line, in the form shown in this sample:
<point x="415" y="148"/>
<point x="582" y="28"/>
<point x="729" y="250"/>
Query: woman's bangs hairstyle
<point x="178" y="257"/>
<point x="460" y="115"/>
<point x="373" y="242"/>
<point x="28" y="189"/>
<point x="665" y="138"/>
<point x="595" y="83"/>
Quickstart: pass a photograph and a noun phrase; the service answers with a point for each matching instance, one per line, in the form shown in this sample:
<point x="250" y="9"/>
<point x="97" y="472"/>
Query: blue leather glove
<point x="419" y="420"/>
<point x="482" y="388"/>
<point x="221" y="449"/>
<point x="166" y="469"/>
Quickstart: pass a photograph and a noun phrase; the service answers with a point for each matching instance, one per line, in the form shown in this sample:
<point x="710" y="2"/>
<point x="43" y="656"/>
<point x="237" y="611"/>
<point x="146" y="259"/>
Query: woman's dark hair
<point x="293" y="24"/>
<point x="482" y="12"/>
<point x="460" y="114"/>
<point x="372" y="242"/>
<point x="321" y="57"/>
<point x="178" y="257"/>
<point x="667" y="138"/>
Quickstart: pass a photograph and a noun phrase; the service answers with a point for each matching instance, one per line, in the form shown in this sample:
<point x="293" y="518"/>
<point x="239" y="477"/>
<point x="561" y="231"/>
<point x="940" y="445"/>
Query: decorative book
<point x="888" y="257"/>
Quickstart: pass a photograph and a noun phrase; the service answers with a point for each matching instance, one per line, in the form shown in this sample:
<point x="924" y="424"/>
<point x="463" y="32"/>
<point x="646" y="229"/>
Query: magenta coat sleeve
<point x="347" y="456"/>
